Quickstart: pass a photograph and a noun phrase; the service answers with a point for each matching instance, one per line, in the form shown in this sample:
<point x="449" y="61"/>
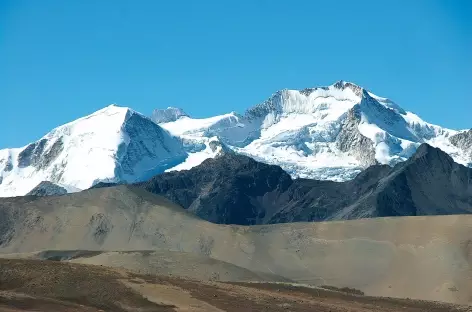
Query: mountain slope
<point x="231" y="189"/>
<point x="113" y="144"/>
<point x="235" y="189"/>
<point x="203" y="138"/>
<point x="429" y="183"/>
<point x="383" y="256"/>
<point x="327" y="133"/>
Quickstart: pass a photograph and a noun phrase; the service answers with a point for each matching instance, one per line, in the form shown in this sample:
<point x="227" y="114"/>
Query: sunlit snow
<point x="295" y="129"/>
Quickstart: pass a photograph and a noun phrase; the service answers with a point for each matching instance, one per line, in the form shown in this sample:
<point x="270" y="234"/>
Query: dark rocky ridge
<point x="46" y="188"/>
<point x="230" y="188"/>
<point x="235" y="189"/>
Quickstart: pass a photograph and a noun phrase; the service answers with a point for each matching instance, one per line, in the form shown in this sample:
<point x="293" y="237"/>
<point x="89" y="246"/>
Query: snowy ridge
<point x="328" y="133"/>
<point x="205" y="148"/>
<point x="331" y="132"/>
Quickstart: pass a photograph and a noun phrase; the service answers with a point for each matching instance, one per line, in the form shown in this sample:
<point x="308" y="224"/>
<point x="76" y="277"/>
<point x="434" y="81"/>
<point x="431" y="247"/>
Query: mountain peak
<point x="112" y="108"/>
<point x="340" y="84"/>
<point x="343" y="85"/>
<point x="342" y="95"/>
<point x="425" y="149"/>
<point x="329" y="133"/>
<point x="120" y="113"/>
<point x="113" y="144"/>
<point x="168" y="115"/>
<point x="430" y="156"/>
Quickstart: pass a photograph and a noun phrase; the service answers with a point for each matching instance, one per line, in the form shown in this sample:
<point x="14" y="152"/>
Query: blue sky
<point x="60" y="60"/>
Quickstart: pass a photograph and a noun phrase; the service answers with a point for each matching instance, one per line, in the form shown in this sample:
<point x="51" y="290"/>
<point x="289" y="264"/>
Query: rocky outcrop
<point x="6" y="163"/>
<point x="167" y="115"/>
<point x="47" y="188"/>
<point x="351" y="141"/>
<point x="39" y="155"/>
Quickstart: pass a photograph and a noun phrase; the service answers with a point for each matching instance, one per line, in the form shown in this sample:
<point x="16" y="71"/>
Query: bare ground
<point x="34" y="285"/>
<point x="427" y="258"/>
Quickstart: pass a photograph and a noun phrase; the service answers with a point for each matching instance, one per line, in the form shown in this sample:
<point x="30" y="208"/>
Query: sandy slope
<point x="56" y="286"/>
<point x="415" y="257"/>
<point x="156" y="262"/>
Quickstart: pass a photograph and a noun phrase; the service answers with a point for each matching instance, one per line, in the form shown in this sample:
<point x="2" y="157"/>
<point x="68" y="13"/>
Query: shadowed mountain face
<point x="235" y="189"/>
<point x="430" y="183"/>
<point x="228" y="189"/>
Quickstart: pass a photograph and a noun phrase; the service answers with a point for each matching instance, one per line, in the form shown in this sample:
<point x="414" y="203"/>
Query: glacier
<point x="326" y="133"/>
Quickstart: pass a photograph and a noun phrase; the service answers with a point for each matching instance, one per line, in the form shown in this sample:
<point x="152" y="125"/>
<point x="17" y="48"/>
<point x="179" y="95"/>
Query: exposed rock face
<point x="167" y="115"/>
<point x="351" y="141"/>
<point x="273" y="105"/>
<point x="235" y="189"/>
<point x="6" y="163"/>
<point x="463" y="140"/>
<point x="103" y="184"/>
<point x="38" y="155"/>
<point x="47" y="188"/>
<point x="219" y="147"/>
<point x="31" y="154"/>
<point x="341" y="85"/>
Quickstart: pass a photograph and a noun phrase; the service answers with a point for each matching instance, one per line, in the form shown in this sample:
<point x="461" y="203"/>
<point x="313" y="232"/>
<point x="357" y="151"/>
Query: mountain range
<point x="236" y="189"/>
<point x="232" y="198"/>
<point x="326" y="133"/>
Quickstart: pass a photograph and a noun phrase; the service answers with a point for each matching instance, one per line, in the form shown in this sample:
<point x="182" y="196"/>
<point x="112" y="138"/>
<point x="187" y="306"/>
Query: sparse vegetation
<point x="344" y="289"/>
<point x="66" y="283"/>
<point x="60" y="286"/>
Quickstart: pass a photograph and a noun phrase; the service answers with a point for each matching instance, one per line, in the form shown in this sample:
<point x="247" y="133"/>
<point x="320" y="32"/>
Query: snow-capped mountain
<point x="167" y="115"/>
<point x="322" y="133"/>
<point x="111" y="145"/>
<point x="327" y="133"/>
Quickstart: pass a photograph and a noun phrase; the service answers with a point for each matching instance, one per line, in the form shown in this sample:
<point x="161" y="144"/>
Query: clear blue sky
<point x="60" y="60"/>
